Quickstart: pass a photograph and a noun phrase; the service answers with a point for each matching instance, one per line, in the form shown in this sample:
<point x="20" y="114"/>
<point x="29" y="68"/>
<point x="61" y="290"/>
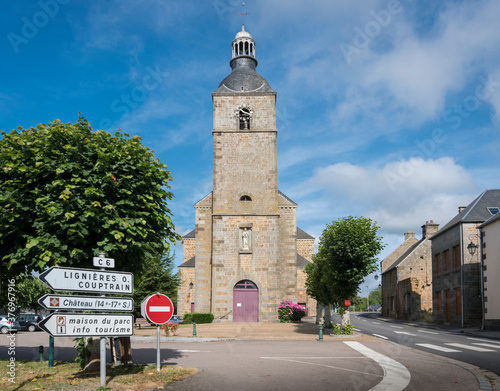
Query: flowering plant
<point x="290" y="312"/>
<point x="170" y="328"/>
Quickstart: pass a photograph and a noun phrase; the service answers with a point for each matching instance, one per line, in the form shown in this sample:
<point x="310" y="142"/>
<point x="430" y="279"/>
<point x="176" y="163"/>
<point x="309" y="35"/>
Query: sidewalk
<point x="469" y="331"/>
<point x="304" y="331"/>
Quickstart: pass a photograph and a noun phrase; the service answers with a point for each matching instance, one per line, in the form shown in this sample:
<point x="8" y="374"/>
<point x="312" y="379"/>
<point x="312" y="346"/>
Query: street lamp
<point x="367" y="298"/>
<point x="472" y="247"/>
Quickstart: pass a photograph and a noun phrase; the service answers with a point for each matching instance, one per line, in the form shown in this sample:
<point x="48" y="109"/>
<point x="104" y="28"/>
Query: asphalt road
<point x="475" y="350"/>
<point x="284" y="365"/>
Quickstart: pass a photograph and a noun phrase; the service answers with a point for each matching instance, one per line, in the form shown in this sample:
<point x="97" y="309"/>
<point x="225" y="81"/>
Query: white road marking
<point x="489" y="345"/>
<point x="396" y="376"/>
<point x="380" y="336"/>
<point x="359" y="331"/>
<point x="462" y="346"/>
<point x="405" y="333"/>
<point x="299" y="361"/>
<point x="427" y="332"/>
<point x="397" y="327"/>
<point x="437" y="347"/>
<point x="193" y="351"/>
<point x="484" y="340"/>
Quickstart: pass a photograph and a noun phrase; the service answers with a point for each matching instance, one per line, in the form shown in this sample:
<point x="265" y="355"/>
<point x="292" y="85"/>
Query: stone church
<point x="246" y="253"/>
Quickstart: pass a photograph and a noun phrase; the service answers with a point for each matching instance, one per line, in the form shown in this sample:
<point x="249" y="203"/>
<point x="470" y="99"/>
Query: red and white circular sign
<point x="158" y="308"/>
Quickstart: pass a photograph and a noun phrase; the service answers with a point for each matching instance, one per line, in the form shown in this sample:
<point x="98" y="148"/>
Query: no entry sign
<point x="158" y="308"/>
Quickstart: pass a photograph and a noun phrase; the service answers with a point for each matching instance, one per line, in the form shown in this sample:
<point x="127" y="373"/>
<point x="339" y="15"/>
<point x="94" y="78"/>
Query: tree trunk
<point x="92" y="362"/>
<point x="319" y="312"/>
<point x="328" y="315"/>
<point x="345" y="319"/>
<point x="125" y="350"/>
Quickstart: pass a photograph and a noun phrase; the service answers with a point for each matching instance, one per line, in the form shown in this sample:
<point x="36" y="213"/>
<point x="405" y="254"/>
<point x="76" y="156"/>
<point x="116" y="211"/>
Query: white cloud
<point x="399" y="196"/>
<point x="420" y="71"/>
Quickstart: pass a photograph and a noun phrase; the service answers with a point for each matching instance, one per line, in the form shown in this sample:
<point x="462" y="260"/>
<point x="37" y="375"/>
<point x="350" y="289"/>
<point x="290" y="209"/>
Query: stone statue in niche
<point x="245" y="239"/>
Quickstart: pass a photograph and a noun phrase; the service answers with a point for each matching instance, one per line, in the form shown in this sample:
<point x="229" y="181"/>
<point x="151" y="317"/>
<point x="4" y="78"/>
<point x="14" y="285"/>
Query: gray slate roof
<point x="303" y="234"/>
<point x="492" y="219"/>
<point x="191" y="262"/>
<point x="301" y="261"/>
<point x="403" y="256"/>
<point x="244" y="78"/>
<point x="476" y="211"/>
<point x="190" y="235"/>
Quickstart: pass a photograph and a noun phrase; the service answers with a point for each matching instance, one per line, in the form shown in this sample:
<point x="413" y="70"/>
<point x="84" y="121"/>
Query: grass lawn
<point x="33" y="375"/>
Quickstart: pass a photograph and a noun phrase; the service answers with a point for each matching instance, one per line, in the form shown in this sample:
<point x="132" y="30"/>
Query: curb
<point x="481" y="375"/>
<point x="177" y="339"/>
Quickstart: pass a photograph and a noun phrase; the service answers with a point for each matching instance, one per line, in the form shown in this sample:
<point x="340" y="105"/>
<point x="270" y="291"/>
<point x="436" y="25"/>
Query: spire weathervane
<point x="243" y="16"/>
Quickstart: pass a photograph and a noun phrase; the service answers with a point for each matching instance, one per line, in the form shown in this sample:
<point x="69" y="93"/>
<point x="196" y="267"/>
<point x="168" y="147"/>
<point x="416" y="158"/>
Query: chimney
<point x="429" y="229"/>
<point x="461" y="209"/>
<point x="409" y="234"/>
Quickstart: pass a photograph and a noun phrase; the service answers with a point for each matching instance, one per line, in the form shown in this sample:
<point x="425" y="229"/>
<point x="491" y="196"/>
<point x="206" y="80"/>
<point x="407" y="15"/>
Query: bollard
<point x="51" y="351"/>
<point x="321" y="332"/>
<point x="40" y="351"/>
<point x="194" y="329"/>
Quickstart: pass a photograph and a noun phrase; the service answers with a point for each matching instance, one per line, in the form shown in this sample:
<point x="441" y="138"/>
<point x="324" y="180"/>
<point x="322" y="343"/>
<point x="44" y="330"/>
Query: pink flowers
<point x="290" y="312"/>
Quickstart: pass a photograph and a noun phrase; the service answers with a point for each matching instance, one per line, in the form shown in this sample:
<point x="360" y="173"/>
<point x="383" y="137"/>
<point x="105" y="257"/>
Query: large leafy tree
<point x="157" y="275"/>
<point x="68" y="192"/>
<point x="346" y="255"/>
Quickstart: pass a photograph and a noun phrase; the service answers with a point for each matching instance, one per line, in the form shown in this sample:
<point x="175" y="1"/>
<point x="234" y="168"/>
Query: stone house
<point x="456" y="271"/>
<point x="246" y="253"/>
<point x="490" y="248"/>
<point x="407" y="276"/>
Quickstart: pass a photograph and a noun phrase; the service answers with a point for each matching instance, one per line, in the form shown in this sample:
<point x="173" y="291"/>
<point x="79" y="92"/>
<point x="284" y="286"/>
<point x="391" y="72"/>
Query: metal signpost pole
<point x="158" y="347"/>
<point x="157" y="309"/>
<point x="103" y="345"/>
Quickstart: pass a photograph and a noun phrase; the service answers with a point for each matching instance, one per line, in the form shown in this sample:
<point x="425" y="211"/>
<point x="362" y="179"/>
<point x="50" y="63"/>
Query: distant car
<point x="27" y="322"/>
<point x="175" y="319"/>
<point x="6" y="326"/>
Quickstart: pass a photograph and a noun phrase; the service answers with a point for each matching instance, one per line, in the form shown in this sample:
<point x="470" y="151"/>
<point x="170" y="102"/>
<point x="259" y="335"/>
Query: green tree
<point x="376" y="296"/>
<point x="346" y="255"/>
<point x="68" y="192"/>
<point x="28" y="290"/>
<point x="156" y="276"/>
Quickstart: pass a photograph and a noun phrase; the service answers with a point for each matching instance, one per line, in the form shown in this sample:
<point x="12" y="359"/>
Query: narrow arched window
<point x="244" y="116"/>
<point x="245" y="198"/>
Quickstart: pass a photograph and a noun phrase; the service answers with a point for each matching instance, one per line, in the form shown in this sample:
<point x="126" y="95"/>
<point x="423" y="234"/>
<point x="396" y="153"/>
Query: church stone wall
<point x="226" y="111"/>
<point x="245" y="163"/>
<point x="189" y="249"/>
<point x="288" y="252"/>
<point x="185" y="295"/>
<point x="203" y="258"/>
<point x="305" y="248"/>
<point x="259" y="264"/>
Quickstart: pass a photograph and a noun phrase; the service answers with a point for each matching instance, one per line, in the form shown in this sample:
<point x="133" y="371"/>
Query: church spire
<point x="243" y="46"/>
<point x="243" y="14"/>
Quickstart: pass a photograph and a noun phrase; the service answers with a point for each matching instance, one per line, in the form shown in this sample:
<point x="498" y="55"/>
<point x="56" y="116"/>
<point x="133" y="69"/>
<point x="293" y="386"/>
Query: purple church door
<point x="245" y="302"/>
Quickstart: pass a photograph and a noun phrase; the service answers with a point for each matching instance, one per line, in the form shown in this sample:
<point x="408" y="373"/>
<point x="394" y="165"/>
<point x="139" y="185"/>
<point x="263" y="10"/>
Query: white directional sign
<point x="88" y="325"/>
<point x="88" y="280"/>
<point x="104" y="262"/>
<point x="81" y="303"/>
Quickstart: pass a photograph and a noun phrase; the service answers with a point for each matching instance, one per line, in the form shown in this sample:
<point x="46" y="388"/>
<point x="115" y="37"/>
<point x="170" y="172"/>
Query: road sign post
<point x="90" y="303"/>
<point x="68" y="324"/>
<point x="88" y="280"/>
<point x="158" y="309"/>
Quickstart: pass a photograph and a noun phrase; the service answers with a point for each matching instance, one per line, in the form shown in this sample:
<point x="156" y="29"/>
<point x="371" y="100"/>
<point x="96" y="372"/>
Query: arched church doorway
<point x="245" y="302"/>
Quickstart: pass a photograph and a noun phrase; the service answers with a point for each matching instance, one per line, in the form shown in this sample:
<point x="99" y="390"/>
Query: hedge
<point x="198" y="317"/>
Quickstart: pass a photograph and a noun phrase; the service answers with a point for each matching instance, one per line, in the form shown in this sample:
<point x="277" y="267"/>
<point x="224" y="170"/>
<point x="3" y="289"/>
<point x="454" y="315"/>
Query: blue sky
<point x="386" y="109"/>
